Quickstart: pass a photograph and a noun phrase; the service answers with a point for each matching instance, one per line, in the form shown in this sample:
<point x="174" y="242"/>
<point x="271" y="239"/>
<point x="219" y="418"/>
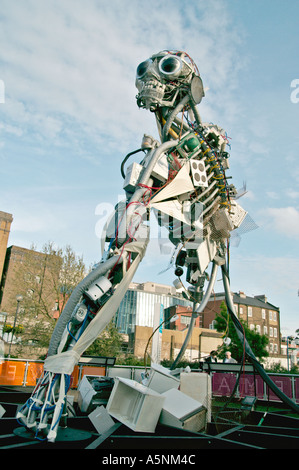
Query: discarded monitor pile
<point x="176" y="398"/>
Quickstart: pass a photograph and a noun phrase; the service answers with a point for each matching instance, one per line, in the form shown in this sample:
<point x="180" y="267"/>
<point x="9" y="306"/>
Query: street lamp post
<point x="289" y="354"/>
<point x="19" y="299"/>
<point x="3" y="316"/>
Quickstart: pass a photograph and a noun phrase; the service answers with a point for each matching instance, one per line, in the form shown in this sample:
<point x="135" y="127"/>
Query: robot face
<point x="164" y="79"/>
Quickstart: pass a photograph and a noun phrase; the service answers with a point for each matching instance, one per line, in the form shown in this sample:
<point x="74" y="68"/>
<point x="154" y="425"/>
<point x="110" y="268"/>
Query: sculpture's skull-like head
<point x="165" y="78"/>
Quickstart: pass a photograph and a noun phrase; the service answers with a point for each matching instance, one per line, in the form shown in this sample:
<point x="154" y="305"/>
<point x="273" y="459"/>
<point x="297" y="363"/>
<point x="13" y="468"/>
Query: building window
<point x="274" y="316"/>
<point x="265" y="330"/>
<point x="271" y="331"/>
<point x="263" y="314"/>
<point x="251" y="326"/>
<point x="275" y="332"/>
<point x="275" y="348"/>
<point x="250" y="311"/>
<point x="185" y="320"/>
<point x="241" y="311"/>
<point x="270" y="314"/>
<point x="258" y="329"/>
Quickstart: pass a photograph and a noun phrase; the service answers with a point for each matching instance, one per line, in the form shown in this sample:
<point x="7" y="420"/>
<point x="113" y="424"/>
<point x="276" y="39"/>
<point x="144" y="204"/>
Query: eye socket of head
<point x="143" y="68"/>
<point x="170" y="66"/>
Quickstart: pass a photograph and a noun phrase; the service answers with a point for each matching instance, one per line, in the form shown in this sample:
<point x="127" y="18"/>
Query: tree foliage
<point x="257" y="342"/>
<point x="45" y="280"/>
<point x="108" y="344"/>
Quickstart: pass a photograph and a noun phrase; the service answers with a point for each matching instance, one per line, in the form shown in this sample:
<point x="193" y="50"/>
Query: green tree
<point x="67" y="275"/>
<point x="107" y="344"/>
<point x="257" y="342"/>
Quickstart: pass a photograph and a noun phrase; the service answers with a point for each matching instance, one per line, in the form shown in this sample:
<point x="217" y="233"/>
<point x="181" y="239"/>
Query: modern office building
<point x="137" y="307"/>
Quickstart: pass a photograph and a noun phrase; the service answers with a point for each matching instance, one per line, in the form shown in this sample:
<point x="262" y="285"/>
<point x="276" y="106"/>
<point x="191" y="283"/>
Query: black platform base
<point x="63" y="434"/>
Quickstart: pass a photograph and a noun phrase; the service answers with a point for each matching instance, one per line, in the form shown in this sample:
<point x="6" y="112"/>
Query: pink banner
<point x="249" y="385"/>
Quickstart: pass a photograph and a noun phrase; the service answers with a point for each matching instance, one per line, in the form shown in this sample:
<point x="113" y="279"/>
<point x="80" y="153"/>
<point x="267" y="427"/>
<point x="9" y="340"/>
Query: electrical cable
<point x="172" y="115"/>
<point x="242" y="369"/>
<point x="197" y="309"/>
<point x="156" y="329"/>
<point x="126" y="159"/>
<point x="235" y="387"/>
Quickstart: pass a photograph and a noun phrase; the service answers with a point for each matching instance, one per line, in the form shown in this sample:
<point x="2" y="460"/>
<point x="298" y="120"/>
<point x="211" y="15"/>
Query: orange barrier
<point x="34" y="371"/>
<point x="12" y="373"/>
<point x="26" y="373"/>
<point x="80" y="371"/>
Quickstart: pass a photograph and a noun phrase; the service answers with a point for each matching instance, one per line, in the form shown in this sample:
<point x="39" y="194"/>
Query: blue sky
<point x="69" y="116"/>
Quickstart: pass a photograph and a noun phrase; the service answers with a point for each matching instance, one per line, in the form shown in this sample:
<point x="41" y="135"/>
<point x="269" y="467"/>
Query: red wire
<point x="128" y="241"/>
<point x="148" y="187"/>
<point x="116" y="234"/>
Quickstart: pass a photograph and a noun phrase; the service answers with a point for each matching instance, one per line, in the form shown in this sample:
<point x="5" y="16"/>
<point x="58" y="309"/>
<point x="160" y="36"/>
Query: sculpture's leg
<point x="197" y="308"/>
<point x="47" y="401"/>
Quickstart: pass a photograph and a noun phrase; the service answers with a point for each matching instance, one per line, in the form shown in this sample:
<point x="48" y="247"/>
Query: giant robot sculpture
<point x="183" y="178"/>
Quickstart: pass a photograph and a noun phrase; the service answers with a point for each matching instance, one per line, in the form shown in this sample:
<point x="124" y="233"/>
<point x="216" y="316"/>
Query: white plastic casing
<point x="132" y="176"/>
<point x="98" y="289"/>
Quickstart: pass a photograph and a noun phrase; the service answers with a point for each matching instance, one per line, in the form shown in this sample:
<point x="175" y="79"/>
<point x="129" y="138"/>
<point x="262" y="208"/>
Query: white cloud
<point x="249" y="195"/>
<point x="73" y="64"/>
<point x="9" y="129"/>
<point x="284" y="220"/>
<point x="267" y="274"/>
<point x="273" y="195"/>
<point x="292" y="194"/>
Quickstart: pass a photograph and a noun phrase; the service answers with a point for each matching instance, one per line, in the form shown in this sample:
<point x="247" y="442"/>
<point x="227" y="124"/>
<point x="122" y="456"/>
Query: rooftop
<point x="260" y="301"/>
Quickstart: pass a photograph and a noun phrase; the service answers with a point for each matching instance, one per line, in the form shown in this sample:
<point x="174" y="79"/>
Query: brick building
<point x="5" y="224"/>
<point x="181" y="317"/>
<point x="31" y="274"/>
<point x="256" y="312"/>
